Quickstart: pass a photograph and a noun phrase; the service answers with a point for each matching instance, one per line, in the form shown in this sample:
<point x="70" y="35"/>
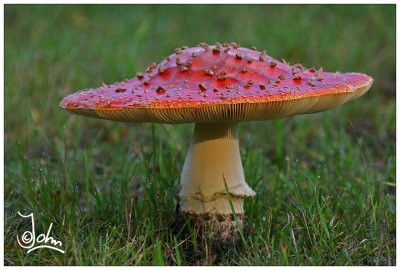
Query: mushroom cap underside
<point x="218" y="83"/>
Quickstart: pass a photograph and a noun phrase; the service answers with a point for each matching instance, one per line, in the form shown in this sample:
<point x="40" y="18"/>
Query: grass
<point x="325" y="182"/>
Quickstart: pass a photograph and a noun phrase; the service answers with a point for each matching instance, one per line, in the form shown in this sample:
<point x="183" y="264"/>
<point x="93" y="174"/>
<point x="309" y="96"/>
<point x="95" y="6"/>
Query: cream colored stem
<point x="212" y="157"/>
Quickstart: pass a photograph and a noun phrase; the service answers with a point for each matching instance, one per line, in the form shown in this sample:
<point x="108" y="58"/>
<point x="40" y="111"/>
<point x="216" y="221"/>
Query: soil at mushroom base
<point x="216" y="87"/>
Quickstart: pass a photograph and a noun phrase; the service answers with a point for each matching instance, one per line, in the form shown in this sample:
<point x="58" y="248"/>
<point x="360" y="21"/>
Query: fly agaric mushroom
<point x="216" y="87"/>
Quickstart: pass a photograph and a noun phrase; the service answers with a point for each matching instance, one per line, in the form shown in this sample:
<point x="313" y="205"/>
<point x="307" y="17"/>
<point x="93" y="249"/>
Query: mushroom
<point x="216" y="87"/>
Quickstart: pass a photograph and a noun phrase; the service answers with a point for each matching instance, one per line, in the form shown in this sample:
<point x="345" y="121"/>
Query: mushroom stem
<point x="213" y="159"/>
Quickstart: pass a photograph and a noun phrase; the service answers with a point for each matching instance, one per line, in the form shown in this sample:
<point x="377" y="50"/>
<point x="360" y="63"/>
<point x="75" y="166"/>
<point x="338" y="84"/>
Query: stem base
<point x="208" y="235"/>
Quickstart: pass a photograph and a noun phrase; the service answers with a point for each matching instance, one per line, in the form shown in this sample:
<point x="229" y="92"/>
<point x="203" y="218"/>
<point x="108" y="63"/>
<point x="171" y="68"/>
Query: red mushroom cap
<point x="218" y="83"/>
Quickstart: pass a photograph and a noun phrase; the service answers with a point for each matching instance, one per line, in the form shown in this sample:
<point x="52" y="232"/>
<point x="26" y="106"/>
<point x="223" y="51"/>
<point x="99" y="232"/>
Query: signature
<point x="31" y="243"/>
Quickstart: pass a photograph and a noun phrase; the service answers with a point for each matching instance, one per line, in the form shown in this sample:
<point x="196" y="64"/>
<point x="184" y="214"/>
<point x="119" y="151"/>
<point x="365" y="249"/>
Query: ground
<point x="325" y="182"/>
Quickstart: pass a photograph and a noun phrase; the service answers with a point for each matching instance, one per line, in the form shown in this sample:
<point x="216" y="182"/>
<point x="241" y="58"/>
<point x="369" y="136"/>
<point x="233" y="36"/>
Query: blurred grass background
<point x="325" y="182"/>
